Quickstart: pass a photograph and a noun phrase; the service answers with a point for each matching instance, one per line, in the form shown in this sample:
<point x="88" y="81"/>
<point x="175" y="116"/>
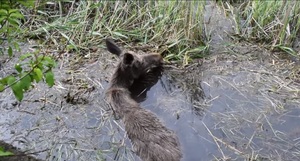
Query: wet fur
<point x="143" y="84"/>
<point x="151" y="140"/>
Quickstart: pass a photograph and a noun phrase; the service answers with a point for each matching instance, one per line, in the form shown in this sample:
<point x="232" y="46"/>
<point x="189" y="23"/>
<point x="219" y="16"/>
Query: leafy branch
<point x="32" y="66"/>
<point x="40" y="68"/>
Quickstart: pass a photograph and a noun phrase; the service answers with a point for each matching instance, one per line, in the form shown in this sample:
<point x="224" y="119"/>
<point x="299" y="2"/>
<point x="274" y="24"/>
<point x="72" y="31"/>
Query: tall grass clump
<point x="173" y="27"/>
<point x="275" y="23"/>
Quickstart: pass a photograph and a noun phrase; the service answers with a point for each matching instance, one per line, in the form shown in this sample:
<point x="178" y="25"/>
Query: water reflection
<point x="212" y="117"/>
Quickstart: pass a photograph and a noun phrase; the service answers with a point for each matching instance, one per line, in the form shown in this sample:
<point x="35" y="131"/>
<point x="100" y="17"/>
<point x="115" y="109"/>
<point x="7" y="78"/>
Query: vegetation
<point x="174" y="28"/>
<point x="273" y="23"/>
<point x="171" y="27"/>
<point x="80" y="25"/>
<point x="3" y="152"/>
<point x="32" y="66"/>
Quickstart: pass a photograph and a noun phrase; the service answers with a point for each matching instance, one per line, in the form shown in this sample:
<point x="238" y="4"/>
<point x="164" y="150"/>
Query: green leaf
<point x="38" y="74"/>
<point x="16" y="88"/>
<point x="13" y="22"/>
<point x="49" y="62"/>
<point x="5" y="153"/>
<point x="40" y="66"/>
<point x="26" y="81"/>
<point x="10" y="80"/>
<point x="10" y="51"/>
<point x="3" y="12"/>
<point x="18" y="91"/>
<point x="28" y="3"/>
<point x="49" y="78"/>
<point x="1" y="87"/>
<point x="18" y="68"/>
<point x="13" y="10"/>
<point x="4" y="81"/>
<point x="1" y="19"/>
<point x="24" y="56"/>
<point x="17" y="15"/>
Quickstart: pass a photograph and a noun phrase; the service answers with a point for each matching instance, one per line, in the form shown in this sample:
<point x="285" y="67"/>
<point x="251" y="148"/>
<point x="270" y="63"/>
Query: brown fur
<point x="143" y="84"/>
<point x="151" y="140"/>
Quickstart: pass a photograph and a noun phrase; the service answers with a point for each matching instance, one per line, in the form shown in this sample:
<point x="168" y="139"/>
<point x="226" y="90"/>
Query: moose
<point x="150" y="139"/>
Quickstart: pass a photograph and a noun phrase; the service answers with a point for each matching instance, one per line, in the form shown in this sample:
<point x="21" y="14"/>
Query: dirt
<point x="240" y="103"/>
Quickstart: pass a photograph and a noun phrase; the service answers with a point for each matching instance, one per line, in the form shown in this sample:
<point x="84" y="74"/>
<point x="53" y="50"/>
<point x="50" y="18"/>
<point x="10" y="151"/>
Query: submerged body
<point x="151" y="140"/>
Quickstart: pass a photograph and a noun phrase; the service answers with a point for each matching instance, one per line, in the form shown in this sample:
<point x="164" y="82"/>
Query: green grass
<point x="273" y="23"/>
<point x="174" y="28"/>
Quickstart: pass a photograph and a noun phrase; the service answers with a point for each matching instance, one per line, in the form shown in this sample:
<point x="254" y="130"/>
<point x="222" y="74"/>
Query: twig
<point x="215" y="139"/>
<point x="31" y="70"/>
<point x="20" y="78"/>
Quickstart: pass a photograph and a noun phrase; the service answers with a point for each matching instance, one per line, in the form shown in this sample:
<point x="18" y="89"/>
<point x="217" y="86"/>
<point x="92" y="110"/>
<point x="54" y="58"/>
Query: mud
<point x="240" y="103"/>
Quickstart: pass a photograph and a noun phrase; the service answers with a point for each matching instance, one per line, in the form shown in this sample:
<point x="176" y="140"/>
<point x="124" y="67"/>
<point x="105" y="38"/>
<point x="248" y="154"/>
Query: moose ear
<point x="128" y="58"/>
<point x="112" y="47"/>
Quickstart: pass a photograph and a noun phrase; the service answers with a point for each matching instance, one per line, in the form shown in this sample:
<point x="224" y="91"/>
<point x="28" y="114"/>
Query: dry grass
<point x="273" y="23"/>
<point x="174" y="28"/>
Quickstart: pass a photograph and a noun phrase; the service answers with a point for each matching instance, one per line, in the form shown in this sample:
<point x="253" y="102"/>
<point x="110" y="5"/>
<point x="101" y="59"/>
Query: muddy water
<point x="240" y="103"/>
<point x="234" y="114"/>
